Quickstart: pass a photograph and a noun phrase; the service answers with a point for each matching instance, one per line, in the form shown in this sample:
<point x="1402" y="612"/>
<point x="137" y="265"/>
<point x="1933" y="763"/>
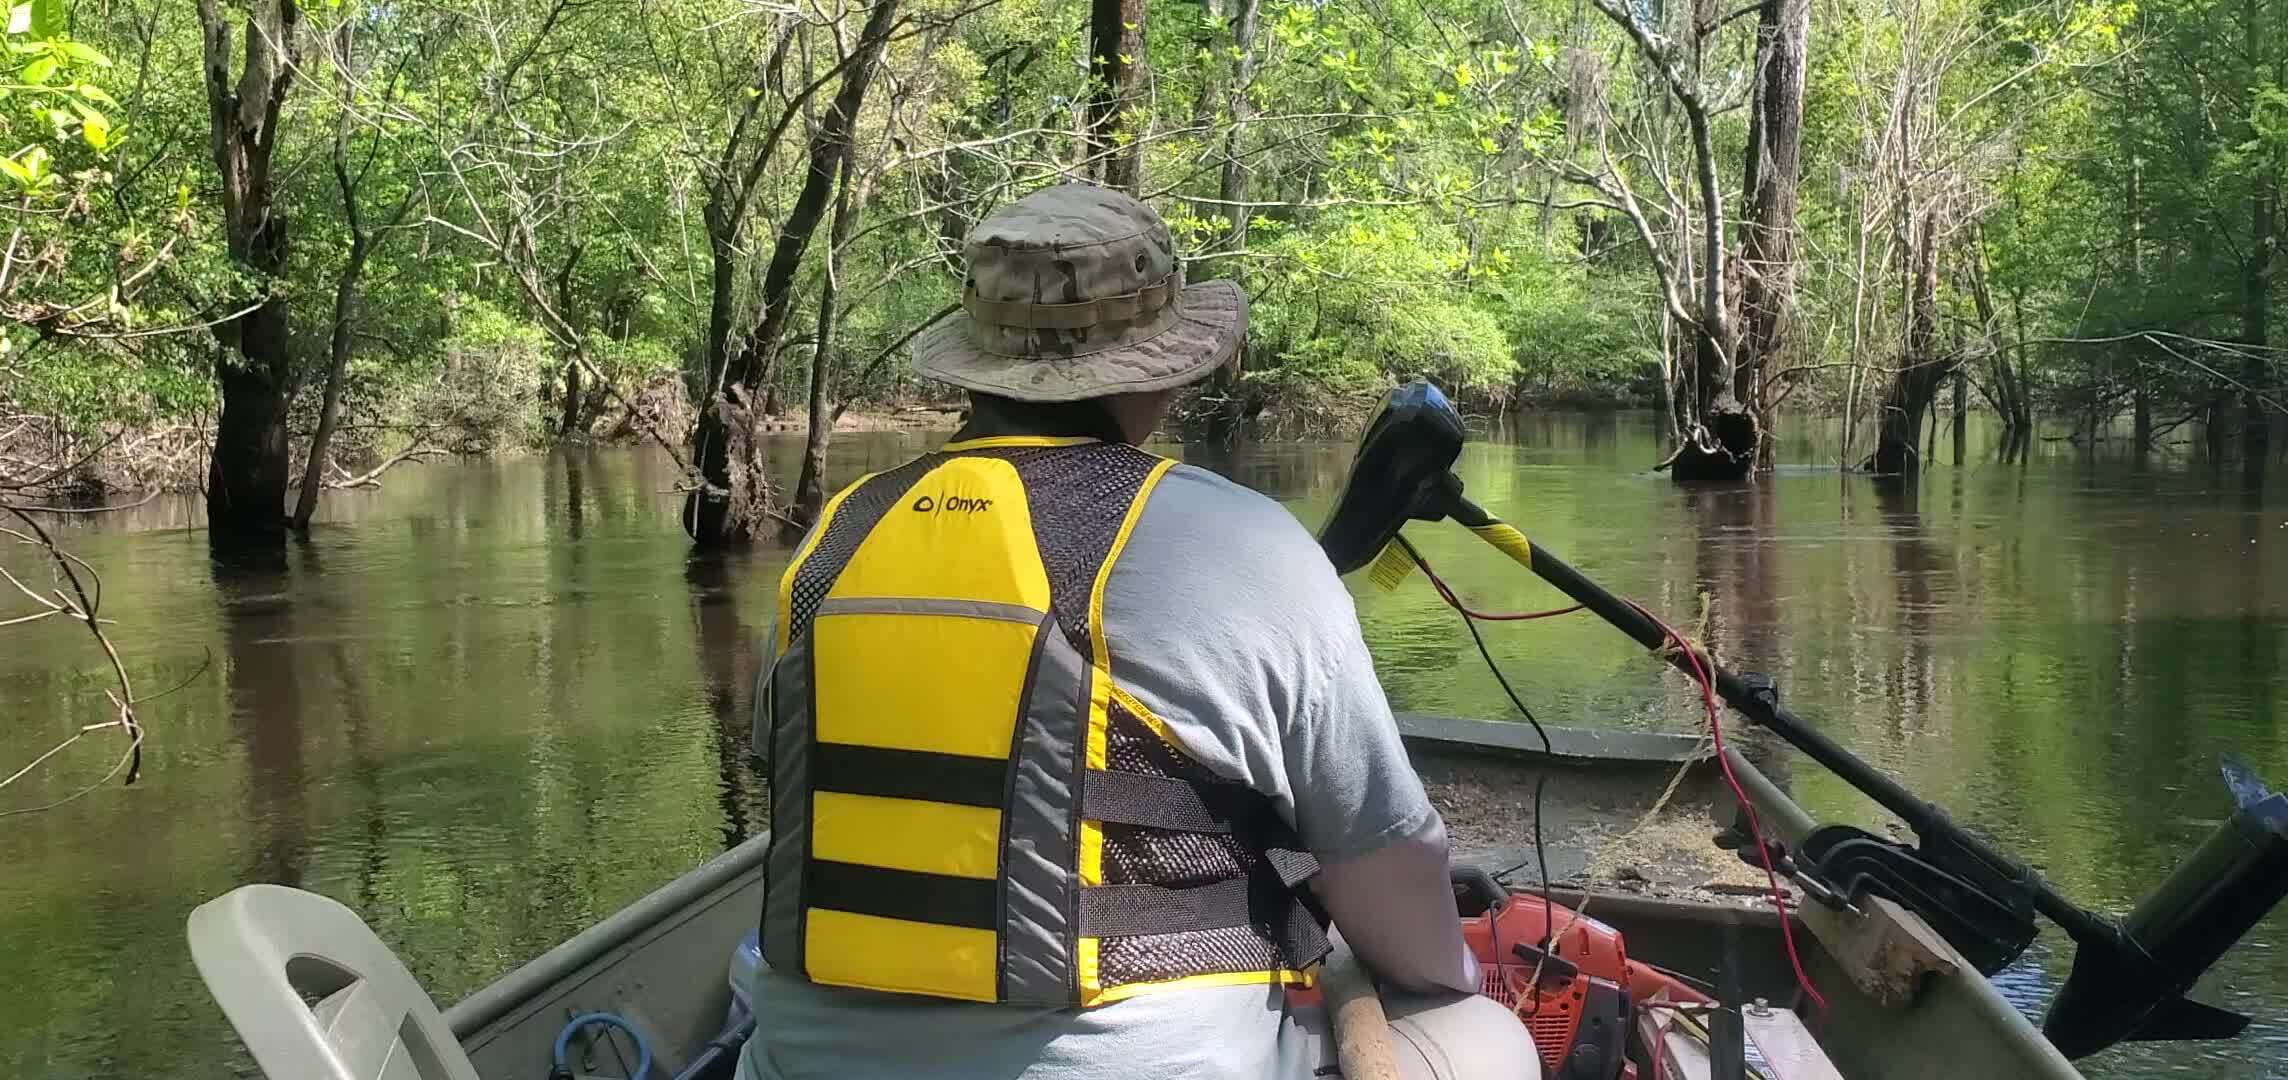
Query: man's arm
<point x="1231" y="625"/>
<point x="1381" y="846"/>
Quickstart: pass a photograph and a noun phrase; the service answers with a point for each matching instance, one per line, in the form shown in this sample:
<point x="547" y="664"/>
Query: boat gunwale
<point x="490" y="1003"/>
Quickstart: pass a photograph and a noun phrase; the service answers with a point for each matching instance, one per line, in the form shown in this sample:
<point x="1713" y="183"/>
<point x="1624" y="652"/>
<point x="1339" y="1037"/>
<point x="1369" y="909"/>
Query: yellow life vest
<point x="964" y="802"/>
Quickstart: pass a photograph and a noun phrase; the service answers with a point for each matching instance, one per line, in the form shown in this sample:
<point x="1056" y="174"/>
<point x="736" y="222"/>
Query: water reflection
<point x="729" y="660"/>
<point x="262" y="670"/>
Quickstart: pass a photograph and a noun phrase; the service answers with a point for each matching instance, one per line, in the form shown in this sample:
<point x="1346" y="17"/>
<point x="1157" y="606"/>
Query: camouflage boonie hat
<point x="1075" y="292"/>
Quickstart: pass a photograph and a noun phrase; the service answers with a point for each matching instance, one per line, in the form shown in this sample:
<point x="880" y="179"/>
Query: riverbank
<point x="58" y="465"/>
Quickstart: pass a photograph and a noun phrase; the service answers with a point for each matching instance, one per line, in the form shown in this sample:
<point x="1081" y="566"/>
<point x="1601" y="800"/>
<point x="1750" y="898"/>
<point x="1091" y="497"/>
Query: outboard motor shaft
<point x="2135" y="988"/>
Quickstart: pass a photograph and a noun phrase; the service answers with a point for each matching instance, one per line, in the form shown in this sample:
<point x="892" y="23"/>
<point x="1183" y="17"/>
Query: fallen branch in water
<point x="75" y="601"/>
<point x="371" y="478"/>
<point x="147" y="497"/>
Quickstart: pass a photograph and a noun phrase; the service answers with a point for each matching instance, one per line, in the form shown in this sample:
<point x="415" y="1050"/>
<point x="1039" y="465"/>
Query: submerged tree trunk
<point x="568" y="420"/>
<point x="1961" y="408"/>
<point x="1767" y="236"/>
<point x="721" y="508"/>
<point x="1116" y="36"/>
<point x="246" y="477"/>
<point x="2141" y="421"/>
<point x="345" y="315"/>
<point x="365" y="240"/>
<point x="1720" y="444"/>
<point x="1671" y="411"/>
<point x="1922" y="371"/>
<point x="337" y="361"/>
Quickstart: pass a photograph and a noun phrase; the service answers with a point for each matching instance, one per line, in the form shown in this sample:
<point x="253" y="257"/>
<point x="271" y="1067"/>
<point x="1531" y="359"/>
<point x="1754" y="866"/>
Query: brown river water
<point x="495" y="700"/>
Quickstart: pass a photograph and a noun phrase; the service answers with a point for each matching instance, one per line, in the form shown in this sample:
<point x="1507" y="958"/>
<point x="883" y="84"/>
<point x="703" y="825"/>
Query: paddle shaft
<point x="1354" y="1011"/>
<point x="1760" y="702"/>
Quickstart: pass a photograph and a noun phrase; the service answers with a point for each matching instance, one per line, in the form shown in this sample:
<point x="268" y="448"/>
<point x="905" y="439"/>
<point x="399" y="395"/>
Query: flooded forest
<point x="405" y="405"/>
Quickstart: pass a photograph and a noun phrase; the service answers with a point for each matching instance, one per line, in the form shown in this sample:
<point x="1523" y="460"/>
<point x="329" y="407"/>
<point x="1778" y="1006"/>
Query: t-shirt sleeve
<point x="1355" y="789"/>
<point x="1229" y="623"/>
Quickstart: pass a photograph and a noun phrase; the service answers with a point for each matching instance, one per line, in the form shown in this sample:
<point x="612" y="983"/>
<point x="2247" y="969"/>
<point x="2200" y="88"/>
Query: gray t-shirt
<point x="1225" y="619"/>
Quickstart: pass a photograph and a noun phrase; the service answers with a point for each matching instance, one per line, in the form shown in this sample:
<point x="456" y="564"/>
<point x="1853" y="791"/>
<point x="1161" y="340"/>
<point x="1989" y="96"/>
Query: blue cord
<point x="564" y="1041"/>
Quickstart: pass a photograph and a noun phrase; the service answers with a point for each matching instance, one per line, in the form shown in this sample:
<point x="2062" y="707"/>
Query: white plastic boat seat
<point x="314" y="994"/>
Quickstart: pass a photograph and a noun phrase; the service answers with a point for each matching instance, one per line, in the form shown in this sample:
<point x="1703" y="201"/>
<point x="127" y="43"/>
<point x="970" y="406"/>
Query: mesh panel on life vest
<point x="1133" y="853"/>
<point x="1166" y="857"/>
<point x="856" y="517"/>
<point x="1154" y="957"/>
<point x="1078" y="501"/>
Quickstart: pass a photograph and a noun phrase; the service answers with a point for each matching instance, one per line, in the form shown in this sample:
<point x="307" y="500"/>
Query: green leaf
<point x="182" y="196"/>
<point x="18" y="173"/>
<point x="96" y="130"/>
<point x="47" y="18"/>
<point x="85" y="53"/>
<point x="95" y="94"/>
<point x="39" y="71"/>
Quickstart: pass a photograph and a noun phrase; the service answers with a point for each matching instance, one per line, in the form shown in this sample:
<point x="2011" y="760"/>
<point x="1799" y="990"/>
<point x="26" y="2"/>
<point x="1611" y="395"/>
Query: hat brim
<point x="1211" y="317"/>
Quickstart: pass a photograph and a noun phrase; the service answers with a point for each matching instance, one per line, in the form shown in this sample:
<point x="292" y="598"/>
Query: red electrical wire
<point x="1455" y="601"/>
<point x="1755" y="826"/>
<point x="1715" y="732"/>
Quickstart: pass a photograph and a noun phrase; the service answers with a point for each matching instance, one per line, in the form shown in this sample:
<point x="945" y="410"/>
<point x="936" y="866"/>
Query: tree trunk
<point x="1116" y="36"/>
<point x="1231" y="185"/>
<point x="1922" y="371"/>
<point x="1229" y="409"/>
<point x="2256" y="366"/>
<point x="722" y="282"/>
<point x="712" y="512"/>
<point x="337" y="362"/>
<point x="568" y="418"/>
<point x="1721" y="442"/>
<point x="1774" y="155"/>
<point x="810" y="490"/>
<point x="2002" y="373"/>
<point x="345" y="312"/>
<point x="246" y="477"/>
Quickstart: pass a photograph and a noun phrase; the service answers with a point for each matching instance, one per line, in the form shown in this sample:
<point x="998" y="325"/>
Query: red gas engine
<point x="1577" y="991"/>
